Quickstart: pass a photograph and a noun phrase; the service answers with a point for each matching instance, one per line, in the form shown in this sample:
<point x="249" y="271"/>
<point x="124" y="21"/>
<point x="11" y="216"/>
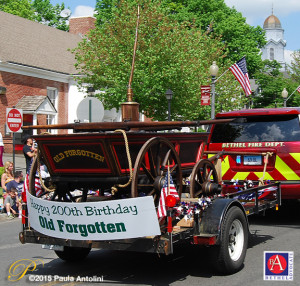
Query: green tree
<point x="215" y="16"/>
<point x="294" y="73"/>
<point x="50" y="15"/>
<point x="294" y="68"/>
<point x="21" y="8"/>
<point x="41" y="11"/>
<point x="169" y="55"/>
<point x="271" y="82"/>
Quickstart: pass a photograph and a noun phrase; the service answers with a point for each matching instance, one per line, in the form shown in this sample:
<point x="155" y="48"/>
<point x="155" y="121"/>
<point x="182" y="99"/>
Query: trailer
<point x="109" y="163"/>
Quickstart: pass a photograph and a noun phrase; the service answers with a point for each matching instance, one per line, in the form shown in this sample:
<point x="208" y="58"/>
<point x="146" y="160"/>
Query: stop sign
<point x="14" y="119"/>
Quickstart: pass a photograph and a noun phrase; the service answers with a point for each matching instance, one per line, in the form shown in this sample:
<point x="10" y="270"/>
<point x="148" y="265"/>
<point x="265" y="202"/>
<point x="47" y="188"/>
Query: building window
<point x="271" y="54"/>
<point x="50" y="120"/>
<point x="52" y="94"/>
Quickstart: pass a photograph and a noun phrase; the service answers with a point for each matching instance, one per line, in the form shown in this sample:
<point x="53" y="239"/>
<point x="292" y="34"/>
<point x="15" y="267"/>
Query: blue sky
<point x="255" y="12"/>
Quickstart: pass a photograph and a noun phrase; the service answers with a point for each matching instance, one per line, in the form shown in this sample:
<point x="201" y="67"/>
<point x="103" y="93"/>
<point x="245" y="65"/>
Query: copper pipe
<point x="129" y="89"/>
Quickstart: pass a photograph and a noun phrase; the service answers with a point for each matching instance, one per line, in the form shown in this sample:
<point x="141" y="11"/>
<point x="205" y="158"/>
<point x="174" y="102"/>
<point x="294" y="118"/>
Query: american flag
<point x="162" y="212"/>
<point x="261" y="194"/>
<point x="239" y="70"/>
<point x="298" y="88"/>
<point x="37" y="185"/>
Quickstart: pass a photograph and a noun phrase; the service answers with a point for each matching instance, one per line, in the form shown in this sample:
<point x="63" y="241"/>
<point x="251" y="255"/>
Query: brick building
<point x="37" y="72"/>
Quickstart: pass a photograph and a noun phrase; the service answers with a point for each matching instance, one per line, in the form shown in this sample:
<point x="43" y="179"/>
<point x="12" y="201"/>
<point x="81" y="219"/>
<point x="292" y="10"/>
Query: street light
<point x="169" y="96"/>
<point x="213" y="72"/>
<point x="284" y="94"/>
<point x="90" y="91"/>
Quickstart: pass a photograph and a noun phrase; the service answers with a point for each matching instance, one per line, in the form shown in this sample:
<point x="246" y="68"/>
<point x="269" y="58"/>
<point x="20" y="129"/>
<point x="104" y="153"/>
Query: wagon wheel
<point x="62" y="193"/>
<point x="151" y="166"/>
<point x="204" y="179"/>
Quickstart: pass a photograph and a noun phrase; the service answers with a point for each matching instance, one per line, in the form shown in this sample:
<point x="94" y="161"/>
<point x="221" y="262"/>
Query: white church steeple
<point x="274" y="49"/>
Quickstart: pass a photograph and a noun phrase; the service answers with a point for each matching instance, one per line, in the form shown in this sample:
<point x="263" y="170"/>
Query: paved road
<point x="277" y="231"/>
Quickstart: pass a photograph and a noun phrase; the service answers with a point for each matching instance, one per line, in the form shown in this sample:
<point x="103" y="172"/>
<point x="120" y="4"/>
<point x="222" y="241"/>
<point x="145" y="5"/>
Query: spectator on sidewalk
<point x="29" y="152"/>
<point x="16" y="183"/>
<point x="7" y="176"/>
<point x="12" y="204"/>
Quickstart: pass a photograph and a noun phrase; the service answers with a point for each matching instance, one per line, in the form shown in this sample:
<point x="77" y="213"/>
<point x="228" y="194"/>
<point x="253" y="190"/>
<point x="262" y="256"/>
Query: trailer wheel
<point x="151" y="166"/>
<point x="204" y="179"/>
<point x="72" y="254"/>
<point x="229" y="256"/>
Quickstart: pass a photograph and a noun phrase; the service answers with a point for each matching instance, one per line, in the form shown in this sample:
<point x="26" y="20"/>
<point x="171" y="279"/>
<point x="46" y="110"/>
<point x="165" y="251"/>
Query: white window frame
<point x="53" y="118"/>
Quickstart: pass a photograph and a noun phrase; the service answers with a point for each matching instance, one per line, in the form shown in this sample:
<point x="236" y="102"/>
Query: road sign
<point x="90" y="109"/>
<point x="205" y="95"/>
<point x="14" y="119"/>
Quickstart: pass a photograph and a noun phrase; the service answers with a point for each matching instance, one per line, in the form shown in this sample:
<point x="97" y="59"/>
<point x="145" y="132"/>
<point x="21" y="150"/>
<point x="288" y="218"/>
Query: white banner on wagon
<point x="109" y="220"/>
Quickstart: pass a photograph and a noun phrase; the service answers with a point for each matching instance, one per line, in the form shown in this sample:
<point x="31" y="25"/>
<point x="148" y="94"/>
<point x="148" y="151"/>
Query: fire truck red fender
<point x="213" y="217"/>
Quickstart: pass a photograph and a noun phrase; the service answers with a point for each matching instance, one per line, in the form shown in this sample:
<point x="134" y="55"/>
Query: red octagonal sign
<point x="14" y="119"/>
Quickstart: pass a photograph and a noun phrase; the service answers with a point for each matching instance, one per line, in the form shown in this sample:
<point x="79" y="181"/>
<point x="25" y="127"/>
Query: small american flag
<point x="239" y="70"/>
<point x="298" y="88"/>
<point x="261" y="194"/>
<point x="162" y="212"/>
<point x="26" y="184"/>
<point x="37" y="185"/>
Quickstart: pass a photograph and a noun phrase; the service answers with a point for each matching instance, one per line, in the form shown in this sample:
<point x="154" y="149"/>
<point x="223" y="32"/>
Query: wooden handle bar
<point x="105" y="126"/>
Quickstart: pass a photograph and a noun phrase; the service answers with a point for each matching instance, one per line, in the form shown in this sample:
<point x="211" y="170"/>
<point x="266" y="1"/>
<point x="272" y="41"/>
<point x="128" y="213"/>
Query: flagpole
<point x="168" y="177"/>
<point x="291" y="94"/>
<point x="221" y="75"/>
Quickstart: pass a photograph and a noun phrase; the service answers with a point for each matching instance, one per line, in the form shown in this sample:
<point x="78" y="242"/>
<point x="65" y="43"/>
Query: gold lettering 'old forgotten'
<point x="77" y="152"/>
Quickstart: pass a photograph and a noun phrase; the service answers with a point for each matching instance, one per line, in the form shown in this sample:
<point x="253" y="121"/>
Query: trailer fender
<point x="212" y="218"/>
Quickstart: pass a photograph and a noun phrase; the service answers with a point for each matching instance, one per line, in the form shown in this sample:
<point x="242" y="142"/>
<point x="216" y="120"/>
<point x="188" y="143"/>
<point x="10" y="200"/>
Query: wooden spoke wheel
<point x="151" y="166"/>
<point x="62" y="192"/>
<point x="204" y="179"/>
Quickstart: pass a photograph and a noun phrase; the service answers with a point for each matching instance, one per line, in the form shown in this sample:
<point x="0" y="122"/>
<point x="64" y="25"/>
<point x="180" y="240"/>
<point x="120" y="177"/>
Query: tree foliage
<point x="41" y="11"/>
<point x="240" y="38"/>
<point x="50" y="15"/>
<point x="169" y="55"/>
<point x="21" y="8"/>
<point x="271" y="82"/>
<point x="294" y="70"/>
<point x="294" y="73"/>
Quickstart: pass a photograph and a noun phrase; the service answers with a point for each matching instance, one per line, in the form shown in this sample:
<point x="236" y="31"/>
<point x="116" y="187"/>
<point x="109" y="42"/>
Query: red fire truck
<point x="274" y="131"/>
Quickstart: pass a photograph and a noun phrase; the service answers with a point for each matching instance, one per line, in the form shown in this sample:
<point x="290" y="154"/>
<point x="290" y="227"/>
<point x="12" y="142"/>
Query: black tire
<point x="229" y="256"/>
<point x="72" y="254"/>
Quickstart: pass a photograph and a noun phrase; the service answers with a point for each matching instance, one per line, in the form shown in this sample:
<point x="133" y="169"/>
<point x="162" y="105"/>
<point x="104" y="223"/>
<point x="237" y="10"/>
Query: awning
<point x="38" y="104"/>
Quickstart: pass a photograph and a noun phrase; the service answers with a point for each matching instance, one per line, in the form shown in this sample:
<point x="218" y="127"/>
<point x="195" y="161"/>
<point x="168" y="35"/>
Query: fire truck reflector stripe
<point x="225" y="165"/>
<point x="266" y="177"/>
<point x="241" y="176"/>
<point x="285" y="170"/>
<point x="296" y="156"/>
